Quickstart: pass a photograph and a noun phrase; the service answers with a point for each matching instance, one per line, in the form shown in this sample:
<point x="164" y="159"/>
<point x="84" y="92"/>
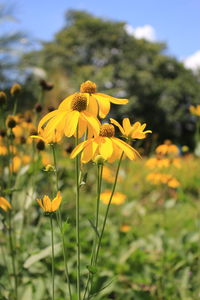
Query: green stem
<point x="52" y="264"/>
<point x="15" y="106"/>
<point x="99" y="182"/>
<point x="77" y="220"/>
<point x="107" y="209"/>
<point x="60" y="225"/>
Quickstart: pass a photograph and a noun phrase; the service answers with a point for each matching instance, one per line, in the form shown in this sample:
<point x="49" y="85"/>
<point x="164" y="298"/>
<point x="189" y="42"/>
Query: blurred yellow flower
<point x="71" y="113"/>
<point x="4" y="204"/>
<point x="117" y="199"/>
<point x="167" y="148"/>
<point x="195" y="110"/>
<point x="48" y="138"/>
<point x="125" y="228"/>
<point x="135" y="131"/>
<point x="26" y="159"/>
<point x="153" y="163"/>
<point x="50" y="206"/>
<point x="3" y="150"/>
<point x="108" y="146"/>
<point x="173" y="183"/>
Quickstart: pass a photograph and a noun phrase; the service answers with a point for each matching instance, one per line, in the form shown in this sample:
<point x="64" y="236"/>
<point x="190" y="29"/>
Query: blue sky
<point x="175" y="22"/>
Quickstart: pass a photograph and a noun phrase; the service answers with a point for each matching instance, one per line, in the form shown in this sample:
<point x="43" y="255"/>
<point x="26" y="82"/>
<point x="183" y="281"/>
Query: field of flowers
<point x="87" y="212"/>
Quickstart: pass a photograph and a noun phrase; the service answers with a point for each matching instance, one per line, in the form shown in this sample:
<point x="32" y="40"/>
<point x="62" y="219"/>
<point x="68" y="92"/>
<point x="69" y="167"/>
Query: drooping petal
<point x="128" y="150"/>
<point x="82" y="126"/>
<point x="112" y="99"/>
<point x="118" y="125"/>
<point x="39" y="201"/>
<point x="4" y="204"/>
<point x="94" y="122"/>
<point x="79" y="148"/>
<point x="104" y="105"/>
<point x="92" y="106"/>
<point x="89" y="151"/>
<point x="38" y="137"/>
<point x="126" y="125"/>
<point x="56" y="202"/>
<point x="46" y="118"/>
<point x="106" y="147"/>
<point x="47" y="203"/>
<point x="72" y="122"/>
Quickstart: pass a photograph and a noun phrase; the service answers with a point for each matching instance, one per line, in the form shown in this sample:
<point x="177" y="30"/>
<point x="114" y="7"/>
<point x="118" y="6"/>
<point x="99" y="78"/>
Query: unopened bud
<point x="99" y="160"/>
<point x="15" y="89"/>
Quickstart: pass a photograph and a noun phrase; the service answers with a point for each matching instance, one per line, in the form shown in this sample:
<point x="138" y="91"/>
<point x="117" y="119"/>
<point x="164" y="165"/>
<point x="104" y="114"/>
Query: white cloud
<point x="193" y="61"/>
<point x="146" y="32"/>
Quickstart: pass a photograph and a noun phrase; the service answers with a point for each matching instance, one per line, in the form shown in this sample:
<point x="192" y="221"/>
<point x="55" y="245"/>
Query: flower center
<point x="88" y="87"/>
<point x="107" y="130"/>
<point x="79" y="102"/>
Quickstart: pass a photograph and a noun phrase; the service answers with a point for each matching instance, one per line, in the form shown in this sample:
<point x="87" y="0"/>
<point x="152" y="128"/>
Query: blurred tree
<point x="158" y="87"/>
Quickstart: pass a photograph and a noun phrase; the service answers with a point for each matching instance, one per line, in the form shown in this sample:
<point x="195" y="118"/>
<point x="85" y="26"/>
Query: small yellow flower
<point x="173" y="183"/>
<point x="195" y="110"/>
<point x="117" y="199"/>
<point x="167" y="148"/>
<point x="135" y="131"/>
<point x="16" y="164"/>
<point x="3" y="150"/>
<point x="125" y="228"/>
<point x="106" y="145"/>
<point x="4" y="204"/>
<point x="50" y="206"/>
<point x="48" y="138"/>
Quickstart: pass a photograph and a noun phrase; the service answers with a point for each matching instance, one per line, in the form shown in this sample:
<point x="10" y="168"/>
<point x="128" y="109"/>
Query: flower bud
<point x="40" y="145"/>
<point x="99" y="160"/>
<point x="49" y="168"/>
<point x="3" y="98"/>
<point x="10" y="122"/>
<point x="38" y="108"/>
<point x="46" y="86"/>
<point x="15" y="89"/>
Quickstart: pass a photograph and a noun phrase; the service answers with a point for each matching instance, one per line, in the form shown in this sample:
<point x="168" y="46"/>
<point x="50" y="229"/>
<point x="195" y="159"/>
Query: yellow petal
<point x="104" y="105"/>
<point x="106" y="147"/>
<point x="93" y="122"/>
<point x="79" y="148"/>
<point x="72" y="122"/>
<point x="128" y="150"/>
<point x="66" y="103"/>
<point x="92" y="106"/>
<point x="38" y="137"/>
<point x="118" y="125"/>
<point x="46" y="118"/>
<point x="88" y="152"/>
<point x="39" y="201"/>
<point x="47" y="204"/>
<point x="4" y="204"/>
<point x="126" y="125"/>
<point x="56" y="202"/>
<point x="112" y="99"/>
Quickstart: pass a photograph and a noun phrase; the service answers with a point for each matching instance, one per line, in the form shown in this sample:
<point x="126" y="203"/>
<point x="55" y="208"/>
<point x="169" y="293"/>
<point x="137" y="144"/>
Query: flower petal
<point x="104" y="105"/>
<point x="112" y="99"/>
<point x="126" y="125"/>
<point x="46" y="118"/>
<point x="55" y="204"/>
<point x="79" y="148"/>
<point x="118" y="125"/>
<point x="128" y="150"/>
<point x="106" y="147"/>
<point x="47" y="203"/>
<point x="66" y="103"/>
<point x="92" y="106"/>
<point x="72" y="122"/>
<point x="94" y="122"/>
<point x="89" y="151"/>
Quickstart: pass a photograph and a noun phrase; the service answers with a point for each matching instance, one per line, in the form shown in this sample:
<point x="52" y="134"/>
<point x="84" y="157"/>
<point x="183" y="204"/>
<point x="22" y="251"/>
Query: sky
<point x="176" y="22"/>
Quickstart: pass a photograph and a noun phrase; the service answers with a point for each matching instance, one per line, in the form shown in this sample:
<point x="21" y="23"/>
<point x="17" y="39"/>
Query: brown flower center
<point x="107" y="130"/>
<point x="88" y="87"/>
<point x="79" y="102"/>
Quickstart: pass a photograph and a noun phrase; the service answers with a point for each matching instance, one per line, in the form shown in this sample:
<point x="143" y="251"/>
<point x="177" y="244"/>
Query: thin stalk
<point x="60" y="226"/>
<point x="52" y="263"/>
<point x="15" y="106"/>
<point x="107" y="209"/>
<point x="99" y="182"/>
<point x="77" y="220"/>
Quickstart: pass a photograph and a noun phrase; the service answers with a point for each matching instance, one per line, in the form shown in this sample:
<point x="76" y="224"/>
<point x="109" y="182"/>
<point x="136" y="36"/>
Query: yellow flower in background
<point x="3" y="150"/>
<point x="71" y="114"/>
<point x="16" y="164"/>
<point x="117" y="199"/>
<point x="173" y="183"/>
<point x="26" y="159"/>
<point x="4" y="204"/>
<point x="50" y="206"/>
<point x="46" y="158"/>
<point x="195" y="110"/>
<point x="53" y="137"/>
<point x="167" y="148"/>
<point x="125" y="228"/>
<point x="135" y="131"/>
<point x="106" y="145"/>
<point x="154" y="162"/>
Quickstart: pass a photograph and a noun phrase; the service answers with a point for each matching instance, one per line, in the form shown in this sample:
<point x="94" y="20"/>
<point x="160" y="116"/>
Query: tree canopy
<point x="158" y="86"/>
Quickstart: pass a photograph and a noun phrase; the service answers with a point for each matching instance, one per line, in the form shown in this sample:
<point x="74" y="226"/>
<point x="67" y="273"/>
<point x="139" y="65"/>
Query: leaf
<point x="92" y="269"/>
<point x="94" y="227"/>
<point x="41" y="255"/>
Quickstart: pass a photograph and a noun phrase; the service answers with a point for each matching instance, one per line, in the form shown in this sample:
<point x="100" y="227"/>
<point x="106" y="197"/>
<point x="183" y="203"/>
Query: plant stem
<point x="99" y="181"/>
<point x="60" y="225"/>
<point x="107" y="209"/>
<point x="52" y="247"/>
<point x="77" y="220"/>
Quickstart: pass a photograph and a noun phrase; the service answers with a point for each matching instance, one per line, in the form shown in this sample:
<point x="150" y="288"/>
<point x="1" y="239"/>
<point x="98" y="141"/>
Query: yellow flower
<point x="173" y="183"/>
<point x="48" y="138"/>
<point x="135" y="131"/>
<point x="153" y="163"/>
<point x="26" y="159"/>
<point x="4" y="204"/>
<point x="50" y="206"/>
<point x="125" y="228"/>
<point x="3" y="150"/>
<point x="108" y="174"/>
<point x="195" y="110"/>
<point x="71" y="113"/>
<point x="46" y="158"/>
<point x="117" y="199"/>
<point x="106" y="145"/>
<point x="167" y="148"/>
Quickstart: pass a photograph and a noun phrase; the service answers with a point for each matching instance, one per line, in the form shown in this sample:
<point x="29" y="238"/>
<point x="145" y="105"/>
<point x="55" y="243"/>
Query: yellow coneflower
<point x="108" y="146"/>
<point x="173" y="183"/>
<point x="135" y="131"/>
<point x="48" y="138"/>
<point x="50" y="206"/>
<point x="117" y="199"/>
<point x="154" y="162"/>
<point x="167" y="148"/>
<point x="125" y="228"/>
<point x="195" y="110"/>
<point x="4" y="204"/>
<point x="65" y="119"/>
<point x="96" y="101"/>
